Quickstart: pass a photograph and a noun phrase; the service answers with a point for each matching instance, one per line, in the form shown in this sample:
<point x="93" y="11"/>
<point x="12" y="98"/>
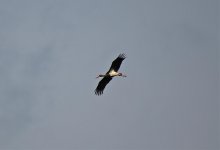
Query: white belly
<point x="113" y="73"/>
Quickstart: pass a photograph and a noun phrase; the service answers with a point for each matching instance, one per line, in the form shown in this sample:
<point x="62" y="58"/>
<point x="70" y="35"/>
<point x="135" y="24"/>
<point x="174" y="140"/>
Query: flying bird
<point x="112" y="72"/>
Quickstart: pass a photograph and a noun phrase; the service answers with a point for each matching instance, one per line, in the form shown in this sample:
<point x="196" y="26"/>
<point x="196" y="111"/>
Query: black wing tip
<point x="122" y="55"/>
<point x="97" y="92"/>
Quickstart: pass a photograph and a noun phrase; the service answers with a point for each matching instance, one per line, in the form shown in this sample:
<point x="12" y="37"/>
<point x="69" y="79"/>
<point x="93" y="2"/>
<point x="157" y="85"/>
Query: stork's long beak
<point x="124" y="75"/>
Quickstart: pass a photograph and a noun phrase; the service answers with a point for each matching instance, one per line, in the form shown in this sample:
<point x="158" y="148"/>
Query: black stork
<point x="112" y="72"/>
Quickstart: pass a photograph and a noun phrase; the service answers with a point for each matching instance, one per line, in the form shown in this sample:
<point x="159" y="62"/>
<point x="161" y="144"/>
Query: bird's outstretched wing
<point x="117" y="62"/>
<point x="101" y="86"/>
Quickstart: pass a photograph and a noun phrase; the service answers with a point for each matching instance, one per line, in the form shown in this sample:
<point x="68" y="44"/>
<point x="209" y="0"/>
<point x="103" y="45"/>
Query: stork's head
<point x="123" y="75"/>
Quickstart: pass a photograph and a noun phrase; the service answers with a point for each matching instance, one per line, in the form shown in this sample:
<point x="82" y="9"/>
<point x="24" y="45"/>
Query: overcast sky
<point x="52" y="50"/>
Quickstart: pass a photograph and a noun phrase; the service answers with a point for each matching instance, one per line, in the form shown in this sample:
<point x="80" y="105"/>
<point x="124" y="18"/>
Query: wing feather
<point x="117" y="62"/>
<point x="101" y="86"/>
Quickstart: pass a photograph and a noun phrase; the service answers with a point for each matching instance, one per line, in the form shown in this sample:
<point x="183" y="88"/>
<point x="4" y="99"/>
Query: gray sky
<point x="51" y="51"/>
